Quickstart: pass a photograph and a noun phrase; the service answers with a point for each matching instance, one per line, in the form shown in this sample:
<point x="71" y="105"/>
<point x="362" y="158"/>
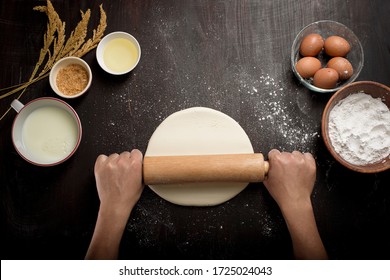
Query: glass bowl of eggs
<point x="326" y="55"/>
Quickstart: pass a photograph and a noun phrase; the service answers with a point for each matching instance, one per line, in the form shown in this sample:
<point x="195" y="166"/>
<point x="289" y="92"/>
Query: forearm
<point x="107" y="235"/>
<point x="307" y="243"/>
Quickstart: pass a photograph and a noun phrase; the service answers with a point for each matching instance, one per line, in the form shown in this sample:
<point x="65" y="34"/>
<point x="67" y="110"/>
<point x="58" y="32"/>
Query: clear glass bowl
<point x="328" y="28"/>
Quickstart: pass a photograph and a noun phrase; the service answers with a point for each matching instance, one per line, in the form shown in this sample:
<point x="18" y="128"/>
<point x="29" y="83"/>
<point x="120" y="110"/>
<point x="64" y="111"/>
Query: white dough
<point x="198" y="131"/>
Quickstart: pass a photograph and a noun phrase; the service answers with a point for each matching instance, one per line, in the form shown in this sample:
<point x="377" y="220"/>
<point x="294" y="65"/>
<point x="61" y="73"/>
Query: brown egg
<point x="326" y="78"/>
<point x="342" y="66"/>
<point x="308" y="66"/>
<point x="311" y="45"/>
<point x="336" y="46"/>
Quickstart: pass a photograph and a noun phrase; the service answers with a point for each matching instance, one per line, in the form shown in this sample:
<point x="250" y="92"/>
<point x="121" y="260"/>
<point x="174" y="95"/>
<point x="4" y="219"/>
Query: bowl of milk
<point x="46" y="131"/>
<point x="118" y="53"/>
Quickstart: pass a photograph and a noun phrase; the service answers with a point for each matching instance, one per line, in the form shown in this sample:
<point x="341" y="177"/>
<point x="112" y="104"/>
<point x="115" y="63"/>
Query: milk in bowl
<point x="49" y="134"/>
<point x="46" y="132"/>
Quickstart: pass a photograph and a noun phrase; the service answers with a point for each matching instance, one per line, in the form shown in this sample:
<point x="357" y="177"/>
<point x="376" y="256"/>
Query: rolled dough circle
<point x="198" y="131"/>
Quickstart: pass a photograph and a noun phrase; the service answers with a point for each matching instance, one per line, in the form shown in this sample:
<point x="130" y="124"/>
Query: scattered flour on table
<point x="279" y="112"/>
<point x="359" y="129"/>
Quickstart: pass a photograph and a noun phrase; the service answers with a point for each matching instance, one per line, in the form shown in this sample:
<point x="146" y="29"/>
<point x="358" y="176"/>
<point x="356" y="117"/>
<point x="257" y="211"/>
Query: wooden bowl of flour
<point x="356" y="126"/>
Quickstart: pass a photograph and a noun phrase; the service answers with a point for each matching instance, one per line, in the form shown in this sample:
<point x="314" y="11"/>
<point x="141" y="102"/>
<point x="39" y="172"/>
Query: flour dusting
<point x="276" y="112"/>
<point x="359" y="129"/>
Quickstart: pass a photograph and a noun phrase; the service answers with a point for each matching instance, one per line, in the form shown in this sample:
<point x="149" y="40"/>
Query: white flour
<point x="359" y="129"/>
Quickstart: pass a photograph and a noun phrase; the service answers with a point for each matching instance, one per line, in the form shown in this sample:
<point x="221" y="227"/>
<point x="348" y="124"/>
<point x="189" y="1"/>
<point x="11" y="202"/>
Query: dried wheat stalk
<point x="55" y="45"/>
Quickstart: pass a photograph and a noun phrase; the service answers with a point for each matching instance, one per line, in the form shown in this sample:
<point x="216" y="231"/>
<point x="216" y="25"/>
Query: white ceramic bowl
<point x="62" y="63"/>
<point x="118" y="53"/>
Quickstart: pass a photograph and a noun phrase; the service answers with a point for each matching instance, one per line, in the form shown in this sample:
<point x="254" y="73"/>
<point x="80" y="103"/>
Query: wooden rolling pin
<point x="204" y="168"/>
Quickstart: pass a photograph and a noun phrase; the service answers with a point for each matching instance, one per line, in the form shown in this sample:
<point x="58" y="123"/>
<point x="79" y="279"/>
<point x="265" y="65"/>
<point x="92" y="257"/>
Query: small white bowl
<point x="62" y="63"/>
<point x="122" y="56"/>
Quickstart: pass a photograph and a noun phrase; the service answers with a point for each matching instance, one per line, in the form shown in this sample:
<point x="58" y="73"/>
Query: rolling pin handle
<point x="266" y="169"/>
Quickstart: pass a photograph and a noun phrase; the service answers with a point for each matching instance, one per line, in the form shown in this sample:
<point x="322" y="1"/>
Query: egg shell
<point x="336" y="46"/>
<point x="342" y="66"/>
<point x="311" y="45"/>
<point x="308" y="66"/>
<point x="326" y="78"/>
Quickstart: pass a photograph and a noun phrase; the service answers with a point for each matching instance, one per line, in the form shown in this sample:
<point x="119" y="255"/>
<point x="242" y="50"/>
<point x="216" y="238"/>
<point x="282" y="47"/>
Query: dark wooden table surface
<point x="233" y="56"/>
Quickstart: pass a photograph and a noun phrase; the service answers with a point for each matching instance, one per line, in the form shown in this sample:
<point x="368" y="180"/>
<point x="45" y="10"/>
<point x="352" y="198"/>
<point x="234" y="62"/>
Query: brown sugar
<point x="72" y="79"/>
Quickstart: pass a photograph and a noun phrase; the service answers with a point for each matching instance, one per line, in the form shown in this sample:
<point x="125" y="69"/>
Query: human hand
<point x="119" y="186"/>
<point x="119" y="182"/>
<point x="290" y="178"/>
<point x="290" y="182"/>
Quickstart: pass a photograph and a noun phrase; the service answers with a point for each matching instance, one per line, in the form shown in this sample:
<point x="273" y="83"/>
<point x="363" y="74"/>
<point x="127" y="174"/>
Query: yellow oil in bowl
<point x="120" y="55"/>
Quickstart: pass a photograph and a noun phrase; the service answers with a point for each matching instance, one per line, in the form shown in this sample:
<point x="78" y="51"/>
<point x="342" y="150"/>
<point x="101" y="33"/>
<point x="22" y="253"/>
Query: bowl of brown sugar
<point x="70" y="77"/>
